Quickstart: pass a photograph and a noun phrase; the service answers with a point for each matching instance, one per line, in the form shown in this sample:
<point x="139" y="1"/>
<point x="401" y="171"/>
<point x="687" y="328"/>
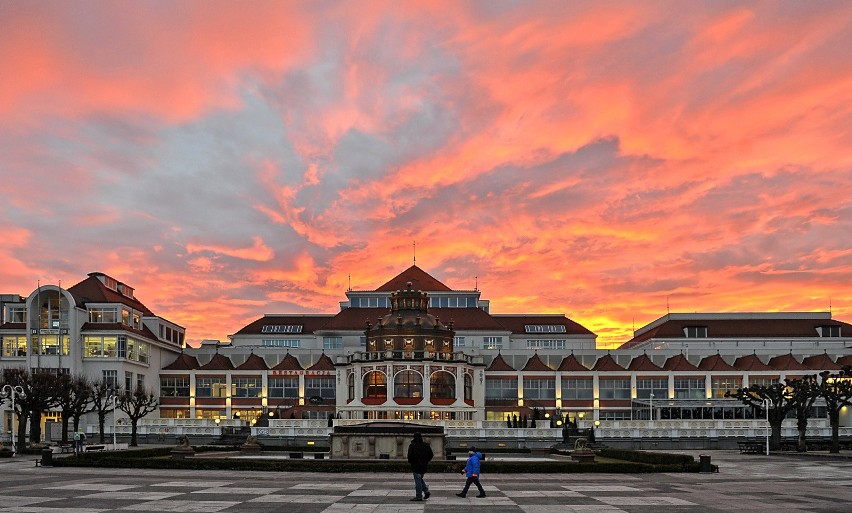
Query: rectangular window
<point x="615" y="415"/>
<point x="545" y="328"/>
<point x="332" y="342"/>
<point x="458" y="342"/>
<point x="125" y="317"/>
<point x="492" y="342"/>
<point x="501" y="388"/>
<point x="362" y="341"/>
<point x="128" y="381"/>
<point x="103" y="315"/>
<point x="174" y="387"/>
<point x="762" y="381"/>
<point x="829" y="331"/>
<point x="122" y="346"/>
<point x="142" y="352"/>
<point x="281" y="328"/>
<point x="691" y="388"/>
<point x="539" y="388"/>
<point x="247" y="387"/>
<point x="647" y="386"/>
<point x="14" y="346"/>
<point x="722" y="385"/>
<point x="110" y="378"/>
<point x="16" y="314"/>
<point x="695" y="331"/>
<point x="319" y="387"/>
<point x="577" y="389"/>
<point x="140" y="381"/>
<point x="615" y="389"/>
<point x="546" y="344"/>
<point x="211" y="387"/>
<point x="280" y="342"/>
<point x="284" y="388"/>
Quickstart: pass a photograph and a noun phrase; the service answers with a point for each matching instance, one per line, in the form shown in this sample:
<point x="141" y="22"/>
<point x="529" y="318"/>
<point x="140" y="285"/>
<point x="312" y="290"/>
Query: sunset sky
<point x="598" y="159"/>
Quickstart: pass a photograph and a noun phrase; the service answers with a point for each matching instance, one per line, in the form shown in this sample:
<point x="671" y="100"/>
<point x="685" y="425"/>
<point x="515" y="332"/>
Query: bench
<point x="66" y="448"/>
<point x="751" y="447"/>
<point x="94" y="448"/>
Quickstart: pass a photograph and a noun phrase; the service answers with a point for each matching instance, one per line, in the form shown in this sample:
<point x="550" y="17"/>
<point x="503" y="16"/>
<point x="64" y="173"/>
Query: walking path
<point x="784" y="483"/>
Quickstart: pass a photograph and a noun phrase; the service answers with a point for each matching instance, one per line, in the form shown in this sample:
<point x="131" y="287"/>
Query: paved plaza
<point x="745" y="483"/>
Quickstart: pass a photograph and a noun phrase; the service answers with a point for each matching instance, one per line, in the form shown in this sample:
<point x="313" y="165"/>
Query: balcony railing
<point x="372" y="356"/>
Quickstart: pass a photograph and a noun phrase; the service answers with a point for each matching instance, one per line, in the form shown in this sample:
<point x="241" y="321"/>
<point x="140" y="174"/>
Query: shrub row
<point x="160" y="459"/>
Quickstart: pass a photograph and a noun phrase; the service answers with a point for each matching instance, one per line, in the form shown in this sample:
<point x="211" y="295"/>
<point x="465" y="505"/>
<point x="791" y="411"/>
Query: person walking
<point x="471" y="470"/>
<point x="419" y="456"/>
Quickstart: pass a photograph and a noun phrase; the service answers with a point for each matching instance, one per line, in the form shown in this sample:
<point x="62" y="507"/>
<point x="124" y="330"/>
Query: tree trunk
<point x="22" y="434"/>
<point x="802" y="425"/>
<point x="65" y="429"/>
<point x="834" y="419"/>
<point x="35" y="427"/>
<point x="133" y="432"/>
<point x="76" y="419"/>
<point x="101" y="422"/>
<point x="775" y="437"/>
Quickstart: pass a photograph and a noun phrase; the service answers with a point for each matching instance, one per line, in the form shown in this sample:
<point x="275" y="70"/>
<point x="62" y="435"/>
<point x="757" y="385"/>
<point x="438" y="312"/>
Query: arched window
<point x="468" y="388"/>
<point x="408" y="384"/>
<point x="375" y="385"/>
<point x="350" y="384"/>
<point x="443" y="385"/>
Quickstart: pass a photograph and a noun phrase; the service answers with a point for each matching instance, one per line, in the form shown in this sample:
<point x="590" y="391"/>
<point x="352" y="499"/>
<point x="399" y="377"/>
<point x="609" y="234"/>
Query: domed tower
<point x="409" y="331"/>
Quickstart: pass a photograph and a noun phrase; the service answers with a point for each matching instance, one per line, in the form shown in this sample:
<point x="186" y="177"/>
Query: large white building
<point x="415" y="349"/>
<point x="96" y="328"/>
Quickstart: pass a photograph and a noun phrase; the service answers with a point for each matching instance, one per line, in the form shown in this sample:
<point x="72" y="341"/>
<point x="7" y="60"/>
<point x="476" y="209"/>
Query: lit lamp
<point x="216" y="421"/>
<point x="597" y="423"/>
<point x="580" y="416"/>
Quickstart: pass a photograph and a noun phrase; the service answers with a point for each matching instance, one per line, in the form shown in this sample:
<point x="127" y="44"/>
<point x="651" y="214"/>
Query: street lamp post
<point x="766" y="404"/>
<point x="651" y="408"/>
<point x="11" y="391"/>
<point x="114" y="413"/>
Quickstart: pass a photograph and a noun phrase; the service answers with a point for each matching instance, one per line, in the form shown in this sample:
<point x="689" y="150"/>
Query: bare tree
<point x="780" y="399"/>
<point x="40" y="391"/>
<point x="805" y="392"/>
<point x="836" y="389"/>
<point x="74" y="397"/>
<point x="136" y="405"/>
<point x="103" y="402"/>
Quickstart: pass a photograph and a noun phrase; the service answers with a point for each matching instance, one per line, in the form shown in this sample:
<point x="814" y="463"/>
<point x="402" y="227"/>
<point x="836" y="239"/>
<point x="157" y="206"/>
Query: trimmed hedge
<point x="160" y="458"/>
<point x="652" y="458"/>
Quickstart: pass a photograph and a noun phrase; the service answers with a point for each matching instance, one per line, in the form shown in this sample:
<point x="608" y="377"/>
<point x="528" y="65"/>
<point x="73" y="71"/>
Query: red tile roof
<point x="679" y="362"/>
<point x="253" y="362"/>
<point x="183" y="362"/>
<point x="750" y="363"/>
<point x="289" y="362"/>
<point x="218" y="362"/>
<point x="821" y="362"/>
<point x="324" y="364"/>
<point x="715" y="363"/>
<point x="516" y="323"/>
<point x="571" y="364"/>
<point x="309" y="323"/>
<point x="643" y="363"/>
<point x="738" y="328"/>
<point x="535" y="364"/>
<point x="14" y="326"/>
<point x="499" y="364"/>
<point x="607" y="363"/>
<point x="92" y="290"/>
<point x="843" y="361"/>
<point x="786" y="362"/>
<point x="420" y="280"/>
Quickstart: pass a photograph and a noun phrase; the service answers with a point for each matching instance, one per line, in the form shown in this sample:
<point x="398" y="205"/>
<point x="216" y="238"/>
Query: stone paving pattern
<point x="784" y="483"/>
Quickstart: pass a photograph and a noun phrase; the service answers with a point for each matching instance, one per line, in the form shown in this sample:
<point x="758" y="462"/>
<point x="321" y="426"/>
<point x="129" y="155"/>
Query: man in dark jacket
<point x="419" y="456"/>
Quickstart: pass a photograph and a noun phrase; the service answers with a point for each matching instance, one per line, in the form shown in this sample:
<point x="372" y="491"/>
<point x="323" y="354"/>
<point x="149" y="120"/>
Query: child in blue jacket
<point x="471" y="470"/>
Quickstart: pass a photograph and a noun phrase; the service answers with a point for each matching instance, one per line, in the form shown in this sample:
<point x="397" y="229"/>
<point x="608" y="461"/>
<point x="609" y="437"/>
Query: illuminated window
<point x="408" y="384"/>
<point x="443" y="385"/>
<point x="375" y="385"/>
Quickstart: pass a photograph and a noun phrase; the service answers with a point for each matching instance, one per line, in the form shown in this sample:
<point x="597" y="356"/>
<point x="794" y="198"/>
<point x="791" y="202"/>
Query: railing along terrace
<point x="371" y="356"/>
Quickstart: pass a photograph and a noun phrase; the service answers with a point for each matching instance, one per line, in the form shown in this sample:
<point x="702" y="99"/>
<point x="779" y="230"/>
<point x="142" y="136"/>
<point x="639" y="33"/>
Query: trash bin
<point x="704" y="464"/>
<point x="47" y="457"/>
